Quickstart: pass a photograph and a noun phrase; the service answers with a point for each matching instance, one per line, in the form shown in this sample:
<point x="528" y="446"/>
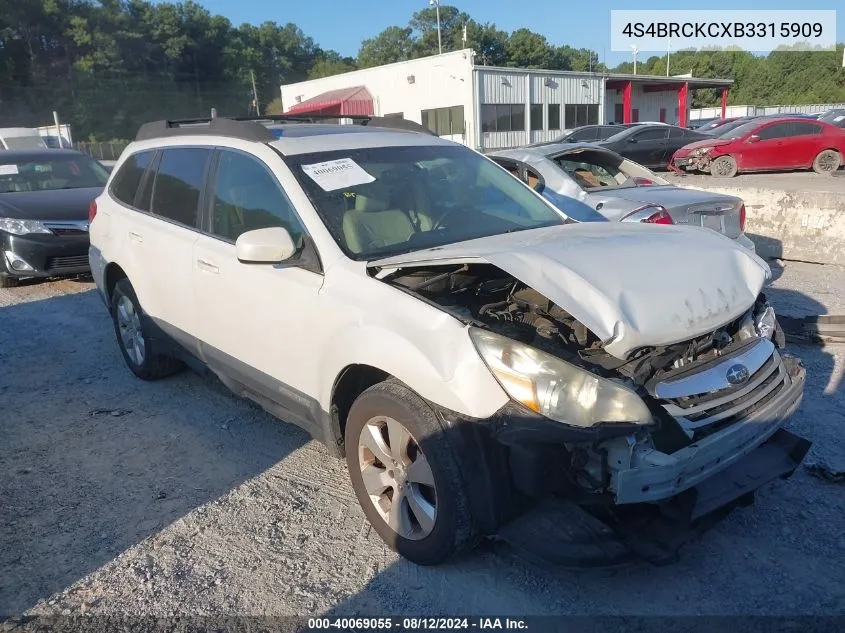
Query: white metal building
<point x="489" y="107"/>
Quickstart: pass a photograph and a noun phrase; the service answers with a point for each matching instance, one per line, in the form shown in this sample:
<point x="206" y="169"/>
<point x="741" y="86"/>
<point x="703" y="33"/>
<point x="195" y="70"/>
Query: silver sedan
<point x="593" y="184"/>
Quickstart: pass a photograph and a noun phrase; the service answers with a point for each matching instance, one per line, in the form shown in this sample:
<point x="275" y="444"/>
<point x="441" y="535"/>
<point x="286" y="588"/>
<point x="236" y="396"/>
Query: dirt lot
<point x="124" y="497"/>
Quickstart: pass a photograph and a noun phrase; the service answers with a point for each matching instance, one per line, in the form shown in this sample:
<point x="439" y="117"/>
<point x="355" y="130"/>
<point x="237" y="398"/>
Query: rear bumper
<point x="46" y="255"/>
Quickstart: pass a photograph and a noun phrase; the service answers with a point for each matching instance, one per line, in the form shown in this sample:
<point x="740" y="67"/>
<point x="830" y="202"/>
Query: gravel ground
<point x="124" y="497"/>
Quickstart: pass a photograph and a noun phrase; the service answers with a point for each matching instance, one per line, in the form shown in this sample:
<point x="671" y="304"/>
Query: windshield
<point x="737" y="131"/>
<point x="49" y="173"/>
<point x="384" y="201"/>
<point x="833" y="116"/>
<point x="592" y="170"/>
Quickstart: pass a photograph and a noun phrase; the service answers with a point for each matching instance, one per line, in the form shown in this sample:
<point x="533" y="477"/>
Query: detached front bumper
<point x="646" y="511"/>
<point x="43" y="255"/>
<point x="698" y="462"/>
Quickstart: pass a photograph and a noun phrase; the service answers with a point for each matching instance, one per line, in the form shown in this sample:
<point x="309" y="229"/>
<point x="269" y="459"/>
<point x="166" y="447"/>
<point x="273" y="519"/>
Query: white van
<point x="21" y="138"/>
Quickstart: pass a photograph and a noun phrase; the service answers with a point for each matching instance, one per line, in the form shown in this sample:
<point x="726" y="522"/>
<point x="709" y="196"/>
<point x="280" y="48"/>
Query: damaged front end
<point x="615" y="458"/>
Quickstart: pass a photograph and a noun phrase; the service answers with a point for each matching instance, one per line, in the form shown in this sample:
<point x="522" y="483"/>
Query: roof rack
<point x="253" y="128"/>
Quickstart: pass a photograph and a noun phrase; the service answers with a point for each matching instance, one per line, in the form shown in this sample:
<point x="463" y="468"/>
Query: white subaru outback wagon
<point x="591" y="393"/>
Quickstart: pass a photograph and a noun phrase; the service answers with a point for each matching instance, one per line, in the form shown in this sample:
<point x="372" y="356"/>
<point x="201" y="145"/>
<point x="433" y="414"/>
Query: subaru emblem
<point x="737" y="374"/>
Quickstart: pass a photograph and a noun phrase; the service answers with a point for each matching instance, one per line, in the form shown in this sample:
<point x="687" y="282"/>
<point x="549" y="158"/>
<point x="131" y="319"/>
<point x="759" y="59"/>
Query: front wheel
<point x="826" y="162"/>
<point x="723" y="167"/>
<point x="405" y="475"/>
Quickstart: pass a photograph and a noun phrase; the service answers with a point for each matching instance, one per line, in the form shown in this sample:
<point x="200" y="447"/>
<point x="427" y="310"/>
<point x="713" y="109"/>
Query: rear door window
<point x="125" y="184"/>
<point x="178" y="183"/>
<point x="654" y="134"/>
<point x="806" y="129"/>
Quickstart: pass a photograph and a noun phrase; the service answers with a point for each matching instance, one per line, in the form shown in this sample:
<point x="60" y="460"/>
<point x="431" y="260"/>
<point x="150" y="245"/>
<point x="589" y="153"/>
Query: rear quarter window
<point x="126" y="181"/>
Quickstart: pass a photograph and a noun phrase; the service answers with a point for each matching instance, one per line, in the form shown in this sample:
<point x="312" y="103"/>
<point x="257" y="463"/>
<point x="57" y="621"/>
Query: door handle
<point x="207" y="266"/>
<point x="136" y="237"/>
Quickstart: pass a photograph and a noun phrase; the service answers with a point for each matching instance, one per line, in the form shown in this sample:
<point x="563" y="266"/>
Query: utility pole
<point x="255" y="95"/>
<point x="436" y="4"/>
<point x="668" y="52"/>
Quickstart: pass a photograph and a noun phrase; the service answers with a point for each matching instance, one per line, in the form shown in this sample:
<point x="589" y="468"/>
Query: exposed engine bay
<point x="486" y="295"/>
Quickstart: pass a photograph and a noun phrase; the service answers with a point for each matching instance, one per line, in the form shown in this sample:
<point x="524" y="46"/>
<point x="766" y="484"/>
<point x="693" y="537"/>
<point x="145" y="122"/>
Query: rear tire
<point x="431" y="518"/>
<point x="133" y="339"/>
<point x="827" y="162"/>
<point x="723" y="167"/>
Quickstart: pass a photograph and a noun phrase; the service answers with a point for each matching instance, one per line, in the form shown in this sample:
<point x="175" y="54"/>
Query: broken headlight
<point x="759" y="321"/>
<point x="554" y="388"/>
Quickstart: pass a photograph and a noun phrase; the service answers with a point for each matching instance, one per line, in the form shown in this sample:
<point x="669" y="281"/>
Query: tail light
<point x="651" y="214"/>
<point x="92" y="211"/>
<point x="742" y="218"/>
<point x="659" y="217"/>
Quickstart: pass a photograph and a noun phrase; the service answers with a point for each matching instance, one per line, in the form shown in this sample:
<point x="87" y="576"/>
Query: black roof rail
<point x="253" y="128"/>
<point x="393" y="123"/>
<point x="217" y="126"/>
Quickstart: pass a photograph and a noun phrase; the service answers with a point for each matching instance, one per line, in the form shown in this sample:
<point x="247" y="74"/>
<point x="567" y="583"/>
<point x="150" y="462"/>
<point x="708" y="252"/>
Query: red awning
<point x="355" y="100"/>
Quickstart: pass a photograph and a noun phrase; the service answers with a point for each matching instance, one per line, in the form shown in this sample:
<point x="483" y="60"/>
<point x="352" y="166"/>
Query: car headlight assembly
<point x="701" y="151"/>
<point x="554" y="388"/>
<point x="22" y="227"/>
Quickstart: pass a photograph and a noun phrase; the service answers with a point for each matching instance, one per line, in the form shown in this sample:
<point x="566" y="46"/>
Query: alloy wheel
<point x="131" y="334"/>
<point x="397" y="477"/>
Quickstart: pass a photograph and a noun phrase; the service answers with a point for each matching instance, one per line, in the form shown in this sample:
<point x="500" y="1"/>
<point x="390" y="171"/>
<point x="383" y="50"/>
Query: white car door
<point x="158" y="238"/>
<point x="257" y="321"/>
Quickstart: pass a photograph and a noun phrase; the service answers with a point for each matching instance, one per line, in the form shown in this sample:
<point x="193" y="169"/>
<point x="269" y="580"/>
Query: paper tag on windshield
<point x="839" y="118"/>
<point x="337" y="174"/>
<point x="8" y="170"/>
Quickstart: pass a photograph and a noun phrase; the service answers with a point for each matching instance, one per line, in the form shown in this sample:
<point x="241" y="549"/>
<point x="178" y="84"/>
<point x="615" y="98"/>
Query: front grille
<point x="709" y="412"/>
<point x="64" y="263"/>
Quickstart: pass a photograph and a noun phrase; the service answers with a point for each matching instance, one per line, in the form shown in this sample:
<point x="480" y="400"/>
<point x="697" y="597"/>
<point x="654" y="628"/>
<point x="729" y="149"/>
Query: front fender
<point x="440" y="363"/>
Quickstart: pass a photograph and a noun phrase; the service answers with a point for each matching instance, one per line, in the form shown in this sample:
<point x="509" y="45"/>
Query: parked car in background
<point x="45" y="196"/>
<point x="715" y="125"/>
<point x="587" y="134"/>
<point x="594" y="184"/>
<point x="767" y="144"/>
<point x="485" y="367"/>
<point x="834" y="117"/>
<point x="651" y="145"/>
<point x="20" y="138"/>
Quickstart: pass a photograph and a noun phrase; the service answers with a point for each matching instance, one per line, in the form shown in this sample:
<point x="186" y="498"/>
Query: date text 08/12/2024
<point x="414" y="624"/>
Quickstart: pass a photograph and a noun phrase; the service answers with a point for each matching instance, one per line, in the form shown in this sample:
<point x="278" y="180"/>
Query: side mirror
<point x="753" y="138"/>
<point x="265" y="246"/>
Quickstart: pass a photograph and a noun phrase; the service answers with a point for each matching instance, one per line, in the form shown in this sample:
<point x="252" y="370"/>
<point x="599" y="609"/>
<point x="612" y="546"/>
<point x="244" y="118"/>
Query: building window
<point x="554" y="116"/>
<point x="536" y="114"/>
<point x="581" y="114"/>
<point x="444" y="121"/>
<point x="503" y="117"/>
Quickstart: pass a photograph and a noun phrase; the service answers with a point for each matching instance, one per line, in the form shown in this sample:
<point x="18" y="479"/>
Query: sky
<point x="342" y="24"/>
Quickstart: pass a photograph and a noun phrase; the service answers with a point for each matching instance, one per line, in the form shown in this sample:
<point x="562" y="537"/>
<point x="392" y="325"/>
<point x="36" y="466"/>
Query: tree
<point x="330" y="63"/>
<point x="424" y="24"/>
<point x="489" y="43"/>
<point x="527" y="49"/>
<point x="393" y="44"/>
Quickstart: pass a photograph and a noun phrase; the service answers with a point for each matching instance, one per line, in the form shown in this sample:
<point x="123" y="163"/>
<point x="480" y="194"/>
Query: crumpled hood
<point x="632" y="285"/>
<point x="686" y="149"/>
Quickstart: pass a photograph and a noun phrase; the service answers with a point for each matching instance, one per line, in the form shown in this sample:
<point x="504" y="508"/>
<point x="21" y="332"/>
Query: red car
<point x="766" y="145"/>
